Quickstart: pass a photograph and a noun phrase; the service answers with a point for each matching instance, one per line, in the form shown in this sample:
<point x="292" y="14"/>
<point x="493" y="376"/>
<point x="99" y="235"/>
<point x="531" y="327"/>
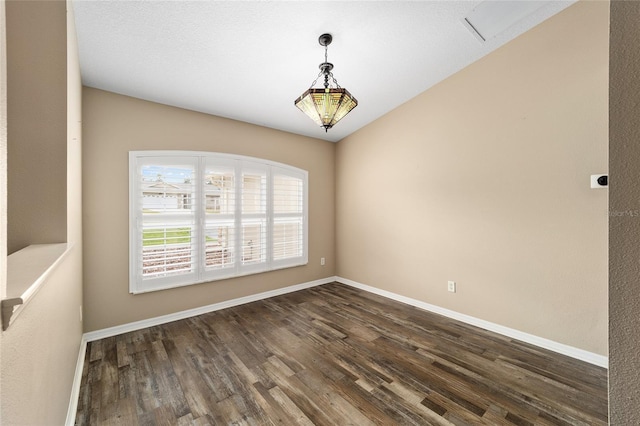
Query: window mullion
<point x="238" y="217"/>
<point x="199" y="218"/>
<point x="269" y="218"/>
<point x="139" y="246"/>
<point x="139" y="223"/>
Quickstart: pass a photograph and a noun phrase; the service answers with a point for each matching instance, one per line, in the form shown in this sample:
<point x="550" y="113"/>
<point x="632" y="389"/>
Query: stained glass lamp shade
<point x="326" y="106"/>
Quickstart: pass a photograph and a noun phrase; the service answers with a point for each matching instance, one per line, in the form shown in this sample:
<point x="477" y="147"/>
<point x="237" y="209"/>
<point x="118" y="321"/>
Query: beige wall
<point x="37" y="130"/>
<point x="113" y="125"/>
<point x="484" y="180"/>
<point x="40" y="349"/>
<point x="624" y="223"/>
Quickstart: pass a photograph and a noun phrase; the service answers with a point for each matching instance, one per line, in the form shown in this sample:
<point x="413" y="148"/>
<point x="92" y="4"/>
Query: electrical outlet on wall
<point x="451" y="286"/>
<point x="80" y="313"/>
<point x="322" y="262"/>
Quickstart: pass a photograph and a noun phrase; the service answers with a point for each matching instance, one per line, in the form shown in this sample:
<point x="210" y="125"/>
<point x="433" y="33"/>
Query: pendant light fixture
<point x="326" y="106"/>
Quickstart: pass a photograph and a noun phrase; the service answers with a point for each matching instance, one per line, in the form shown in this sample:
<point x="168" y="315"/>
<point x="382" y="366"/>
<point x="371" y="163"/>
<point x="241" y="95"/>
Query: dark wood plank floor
<point x="332" y="355"/>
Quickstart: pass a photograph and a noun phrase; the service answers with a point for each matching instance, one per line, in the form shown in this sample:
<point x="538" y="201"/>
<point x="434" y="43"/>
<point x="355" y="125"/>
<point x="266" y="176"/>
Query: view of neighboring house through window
<point x="197" y="217"/>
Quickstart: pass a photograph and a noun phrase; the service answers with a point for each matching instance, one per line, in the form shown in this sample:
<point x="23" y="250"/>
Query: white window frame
<point x="200" y="274"/>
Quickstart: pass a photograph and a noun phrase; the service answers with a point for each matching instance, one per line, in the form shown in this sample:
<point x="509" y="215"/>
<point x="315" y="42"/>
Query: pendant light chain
<point x="326" y="48"/>
<point x="326" y="74"/>
<point x="334" y="80"/>
<point x="313" y="83"/>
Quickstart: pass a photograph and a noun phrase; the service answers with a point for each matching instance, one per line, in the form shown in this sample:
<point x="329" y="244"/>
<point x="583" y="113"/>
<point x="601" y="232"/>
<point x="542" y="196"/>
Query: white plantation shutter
<point x="288" y="216"/>
<point x="197" y="217"/>
<point x="219" y="217"/>
<point x="164" y="231"/>
<point x="253" y="217"/>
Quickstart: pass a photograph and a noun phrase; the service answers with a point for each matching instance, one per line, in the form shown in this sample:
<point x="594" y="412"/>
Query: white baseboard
<point x="581" y="354"/>
<point x="138" y="325"/>
<point x="75" y="387"/>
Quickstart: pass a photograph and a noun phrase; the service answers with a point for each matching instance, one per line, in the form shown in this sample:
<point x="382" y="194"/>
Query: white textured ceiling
<point x="249" y="60"/>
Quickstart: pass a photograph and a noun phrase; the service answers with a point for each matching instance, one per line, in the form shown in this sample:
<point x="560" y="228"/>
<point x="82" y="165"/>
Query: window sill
<point x="27" y="271"/>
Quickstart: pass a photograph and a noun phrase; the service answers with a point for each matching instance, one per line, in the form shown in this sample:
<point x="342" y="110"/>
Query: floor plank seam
<point x="332" y="355"/>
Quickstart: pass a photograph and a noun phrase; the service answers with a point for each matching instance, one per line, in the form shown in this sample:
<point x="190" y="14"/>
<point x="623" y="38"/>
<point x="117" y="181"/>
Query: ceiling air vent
<point x="491" y="17"/>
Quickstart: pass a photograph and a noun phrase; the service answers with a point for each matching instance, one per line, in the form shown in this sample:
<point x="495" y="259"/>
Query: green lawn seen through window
<point x="156" y="237"/>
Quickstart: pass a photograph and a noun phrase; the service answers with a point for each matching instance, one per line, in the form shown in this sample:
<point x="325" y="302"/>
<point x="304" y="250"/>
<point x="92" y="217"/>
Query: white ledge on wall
<point x="27" y="270"/>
